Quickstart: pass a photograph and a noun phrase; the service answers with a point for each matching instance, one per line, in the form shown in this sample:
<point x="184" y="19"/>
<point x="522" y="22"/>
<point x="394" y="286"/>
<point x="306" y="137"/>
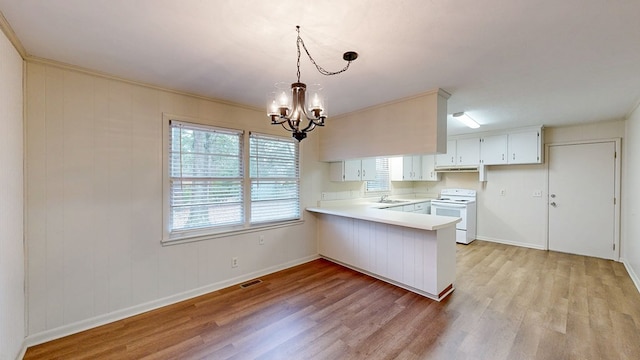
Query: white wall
<point x="12" y="298"/>
<point x="631" y="198"/>
<point x="94" y="203"/>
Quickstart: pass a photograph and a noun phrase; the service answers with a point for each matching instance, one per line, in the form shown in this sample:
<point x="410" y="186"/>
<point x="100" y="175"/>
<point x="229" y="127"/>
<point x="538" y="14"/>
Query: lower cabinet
<point x="422" y="261"/>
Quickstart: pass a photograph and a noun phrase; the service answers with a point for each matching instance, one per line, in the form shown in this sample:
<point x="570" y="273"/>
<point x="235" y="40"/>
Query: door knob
<point x="553" y="204"/>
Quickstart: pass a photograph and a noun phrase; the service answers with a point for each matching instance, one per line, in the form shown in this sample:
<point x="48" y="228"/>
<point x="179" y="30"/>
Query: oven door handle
<point x="448" y="206"/>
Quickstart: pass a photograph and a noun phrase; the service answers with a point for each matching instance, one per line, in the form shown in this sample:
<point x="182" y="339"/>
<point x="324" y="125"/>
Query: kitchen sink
<point x="387" y="201"/>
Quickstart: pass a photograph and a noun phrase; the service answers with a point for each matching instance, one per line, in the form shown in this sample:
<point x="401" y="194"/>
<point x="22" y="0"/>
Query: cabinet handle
<point x="358" y="173"/>
<point x="460" y="159"/>
<point x="514" y="156"/>
<point x="364" y="173"/>
<point x="502" y="156"/>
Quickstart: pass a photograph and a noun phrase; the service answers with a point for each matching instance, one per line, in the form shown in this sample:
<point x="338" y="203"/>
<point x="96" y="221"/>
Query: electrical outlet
<point x="537" y="193"/>
<point x="261" y="240"/>
<point x="234" y="262"/>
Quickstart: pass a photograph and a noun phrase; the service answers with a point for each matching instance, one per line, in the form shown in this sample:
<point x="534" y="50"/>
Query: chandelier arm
<point x="314" y="120"/>
<point x="310" y="127"/>
<point x="285" y="127"/>
<point x="282" y="120"/>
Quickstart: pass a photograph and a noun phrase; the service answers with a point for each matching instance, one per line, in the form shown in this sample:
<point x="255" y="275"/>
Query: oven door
<point x="454" y="210"/>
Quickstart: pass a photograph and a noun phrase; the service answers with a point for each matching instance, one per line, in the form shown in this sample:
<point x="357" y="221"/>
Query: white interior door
<point x="582" y="190"/>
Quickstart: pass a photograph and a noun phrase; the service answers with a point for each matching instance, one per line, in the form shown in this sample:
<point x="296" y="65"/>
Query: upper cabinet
<point x="412" y="167"/>
<point x="525" y="147"/>
<point x="353" y="170"/>
<point x="493" y="149"/>
<point x="429" y="168"/>
<point x="449" y="158"/>
<point x="468" y="151"/>
<point x="515" y="146"/>
<point x="460" y="152"/>
<point x="406" y="168"/>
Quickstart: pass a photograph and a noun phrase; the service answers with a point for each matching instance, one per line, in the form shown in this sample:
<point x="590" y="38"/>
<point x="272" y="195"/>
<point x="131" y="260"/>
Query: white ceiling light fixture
<point x="466" y="119"/>
<point x="290" y="111"/>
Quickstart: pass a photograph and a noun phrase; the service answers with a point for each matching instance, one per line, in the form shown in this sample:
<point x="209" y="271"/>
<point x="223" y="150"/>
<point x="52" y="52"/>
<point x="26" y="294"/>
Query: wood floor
<point x="509" y="303"/>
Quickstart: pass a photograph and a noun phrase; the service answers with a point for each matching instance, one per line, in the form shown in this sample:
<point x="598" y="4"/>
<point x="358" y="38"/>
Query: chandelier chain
<point x="321" y="70"/>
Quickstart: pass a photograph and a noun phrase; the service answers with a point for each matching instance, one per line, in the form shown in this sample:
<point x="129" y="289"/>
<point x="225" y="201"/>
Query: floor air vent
<point x="251" y="283"/>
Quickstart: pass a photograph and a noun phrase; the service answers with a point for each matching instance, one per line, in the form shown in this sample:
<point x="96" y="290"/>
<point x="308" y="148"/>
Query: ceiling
<point x="507" y="63"/>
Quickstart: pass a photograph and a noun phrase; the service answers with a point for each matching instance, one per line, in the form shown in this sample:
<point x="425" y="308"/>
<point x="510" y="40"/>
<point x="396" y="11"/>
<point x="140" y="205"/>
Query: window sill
<point x="193" y="238"/>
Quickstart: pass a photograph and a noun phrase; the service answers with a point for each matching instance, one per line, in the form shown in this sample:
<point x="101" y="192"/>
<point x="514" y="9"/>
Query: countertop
<point x="373" y="211"/>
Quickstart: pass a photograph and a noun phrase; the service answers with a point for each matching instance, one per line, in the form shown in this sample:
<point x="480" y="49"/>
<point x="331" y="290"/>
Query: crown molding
<point x="11" y="35"/>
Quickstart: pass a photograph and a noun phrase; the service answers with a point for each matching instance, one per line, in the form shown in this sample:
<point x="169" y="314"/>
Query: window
<point x="205" y="177"/>
<point x="381" y="183"/>
<point x="220" y="181"/>
<point x="275" y="180"/>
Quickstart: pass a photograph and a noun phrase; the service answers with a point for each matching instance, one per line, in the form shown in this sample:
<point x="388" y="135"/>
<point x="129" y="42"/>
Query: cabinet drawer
<point x="408" y="208"/>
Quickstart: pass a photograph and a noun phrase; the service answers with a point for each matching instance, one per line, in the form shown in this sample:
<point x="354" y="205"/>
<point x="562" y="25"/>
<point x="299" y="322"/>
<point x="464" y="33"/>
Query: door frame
<point x="617" y="184"/>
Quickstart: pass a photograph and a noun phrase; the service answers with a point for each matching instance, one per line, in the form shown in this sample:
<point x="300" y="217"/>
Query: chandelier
<point x="290" y="110"/>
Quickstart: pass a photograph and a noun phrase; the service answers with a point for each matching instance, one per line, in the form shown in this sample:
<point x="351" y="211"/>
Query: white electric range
<point x="458" y="203"/>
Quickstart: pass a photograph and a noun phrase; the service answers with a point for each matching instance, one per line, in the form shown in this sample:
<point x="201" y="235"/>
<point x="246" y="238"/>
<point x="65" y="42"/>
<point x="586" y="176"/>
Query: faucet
<point x="383" y="198"/>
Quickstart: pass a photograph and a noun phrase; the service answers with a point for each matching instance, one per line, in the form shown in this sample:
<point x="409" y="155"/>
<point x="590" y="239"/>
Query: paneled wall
<point x="12" y="299"/>
<point x="94" y="203"/>
<point x="631" y="197"/>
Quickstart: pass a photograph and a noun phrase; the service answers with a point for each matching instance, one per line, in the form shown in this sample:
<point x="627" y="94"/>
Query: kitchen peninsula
<point x="414" y="251"/>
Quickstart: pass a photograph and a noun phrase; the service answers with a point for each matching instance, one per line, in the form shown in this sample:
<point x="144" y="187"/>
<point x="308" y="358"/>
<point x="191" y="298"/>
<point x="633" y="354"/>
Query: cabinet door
<point x="468" y="151"/>
<point x="336" y="171"/>
<point x="352" y="170"/>
<point x="368" y="167"/>
<point x="416" y="166"/>
<point x="407" y="168"/>
<point x="493" y="150"/>
<point x="429" y="168"/>
<point x="411" y="166"/>
<point x="524" y="148"/>
<point x="448" y="159"/>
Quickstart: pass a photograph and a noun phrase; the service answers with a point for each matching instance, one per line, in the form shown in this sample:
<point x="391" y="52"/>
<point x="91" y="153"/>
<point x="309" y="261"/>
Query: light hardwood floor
<point x="509" y="303"/>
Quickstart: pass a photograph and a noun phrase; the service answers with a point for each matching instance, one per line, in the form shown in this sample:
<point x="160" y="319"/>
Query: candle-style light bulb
<point x="284" y="101"/>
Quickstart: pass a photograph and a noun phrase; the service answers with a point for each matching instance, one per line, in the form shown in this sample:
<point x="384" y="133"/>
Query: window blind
<point x="381" y="183"/>
<point x="206" y="177"/>
<point x="275" y="178"/>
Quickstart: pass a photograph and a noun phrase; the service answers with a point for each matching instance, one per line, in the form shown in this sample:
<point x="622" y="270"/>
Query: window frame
<point x="174" y="238"/>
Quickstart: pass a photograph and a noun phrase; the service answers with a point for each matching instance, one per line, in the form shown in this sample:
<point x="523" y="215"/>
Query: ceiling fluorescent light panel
<point x="466" y="119"/>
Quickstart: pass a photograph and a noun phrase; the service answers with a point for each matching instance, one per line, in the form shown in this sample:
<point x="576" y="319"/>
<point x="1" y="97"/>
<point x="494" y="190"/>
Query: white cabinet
<point x="406" y="168"/>
<point x="353" y="170"/>
<point x="460" y="152"/>
<point x="468" y="152"/>
<point x="411" y="167"/>
<point x="448" y="159"/>
<point x="493" y="149"/>
<point x="522" y="147"/>
<point x="423" y="207"/>
<point x="429" y="168"/>
<point x="525" y="147"/>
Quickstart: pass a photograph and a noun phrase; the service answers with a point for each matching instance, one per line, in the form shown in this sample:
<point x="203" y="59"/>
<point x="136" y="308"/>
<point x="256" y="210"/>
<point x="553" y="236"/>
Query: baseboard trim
<point x="90" y="323"/>
<point x="634" y="277"/>
<point x="22" y="351"/>
<point x="513" y="243"/>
